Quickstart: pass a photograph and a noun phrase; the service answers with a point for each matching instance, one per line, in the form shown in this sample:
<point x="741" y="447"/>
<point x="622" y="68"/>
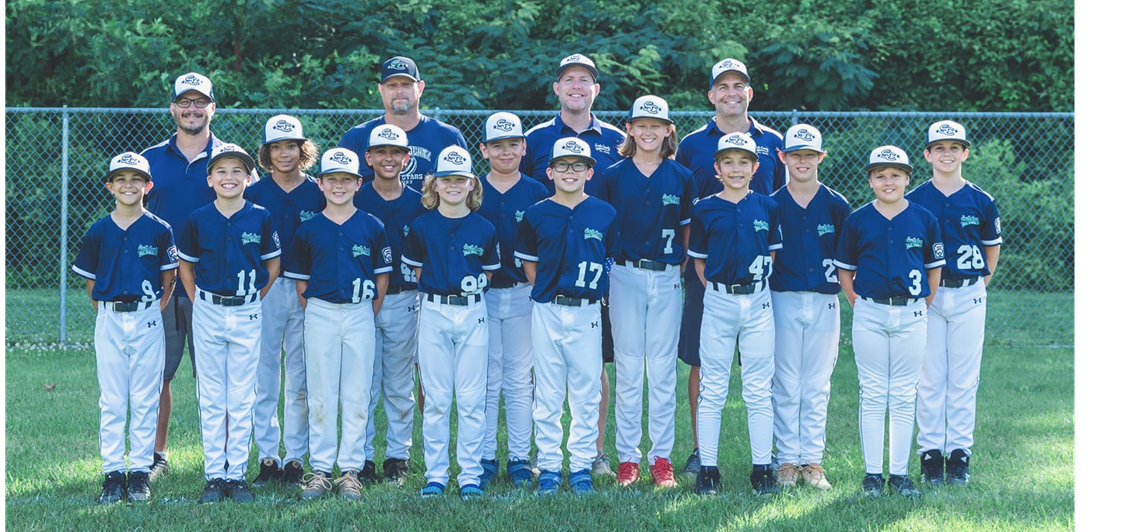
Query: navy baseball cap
<point x="192" y="81"/>
<point x="728" y="65"/>
<point x="889" y="156"/>
<point x="399" y="66"/>
<point x="946" y="130"/>
<point x="578" y="60"/>
<point x="128" y="161"/>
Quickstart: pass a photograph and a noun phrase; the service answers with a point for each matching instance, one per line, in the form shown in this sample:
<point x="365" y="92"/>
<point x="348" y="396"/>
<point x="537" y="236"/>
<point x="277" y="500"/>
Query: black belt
<point x="396" y="289"/>
<point x="958" y="283"/>
<point x="455" y="300"/>
<point x="573" y="301"/>
<point x="129" y="306"/>
<point x="228" y="301"/>
<point x="897" y="301"/>
<point x="500" y="285"/>
<point x="644" y="264"/>
<point x="739" y="289"/>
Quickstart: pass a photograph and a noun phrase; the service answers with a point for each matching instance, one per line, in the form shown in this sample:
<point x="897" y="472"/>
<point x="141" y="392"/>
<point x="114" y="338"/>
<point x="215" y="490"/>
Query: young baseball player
<point x="652" y="195"/>
<point x="507" y="193"/>
<point x="451" y="249"/>
<point x="395" y="342"/>
<point x="128" y="261"/>
<point x="228" y="260"/>
<point x="971" y="227"/>
<point x="340" y="261"/>
<point x="564" y="242"/>
<point x="734" y="236"/>
<point x="889" y="261"/>
<point x="804" y="290"/>
<point x="292" y="197"/>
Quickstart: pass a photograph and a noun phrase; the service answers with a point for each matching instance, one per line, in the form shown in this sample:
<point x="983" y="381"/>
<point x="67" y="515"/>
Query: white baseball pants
<point x="750" y="320"/>
<point x="646" y="308"/>
<point x="228" y="341"/>
<point x="889" y="344"/>
<point x="567" y="360"/>
<point x="281" y="329"/>
<point x="947" y="389"/>
<point x="395" y="349"/>
<point x="807" y="327"/>
<point x="130" y="350"/>
<point x="339" y="367"/>
<point x="510" y="370"/>
<point x="453" y="357"/>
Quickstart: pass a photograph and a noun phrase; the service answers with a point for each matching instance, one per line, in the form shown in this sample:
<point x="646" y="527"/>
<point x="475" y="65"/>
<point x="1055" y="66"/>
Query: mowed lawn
<point x="1022" y="469"/>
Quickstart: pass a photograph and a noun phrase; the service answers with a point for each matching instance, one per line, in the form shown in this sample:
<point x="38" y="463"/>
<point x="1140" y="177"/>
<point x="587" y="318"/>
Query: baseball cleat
<point x="138" y="486"/>
<point x="763" y="480"/>
<point x="489" y="468"/>
<point x="348" y="486"/>
<point x="872" y="485"/>
<point x="581" y="482"/>
<point x="292" y="474"/>
<point x="602" y="466"/>
<point x="548" y="483"/>
<point x="629" y="474"/>
<point x="903" y="485"/>
<point x="267" y="471"/>
<point x="368" y="473"/>
<point x="159" y="465"/>
<point x="788" y="475"/>
<point x="931" y="467"/>
<point x="814" y="475"/>
<point x="520" y="473"/>
<point x="471" y="491"/>
<point x="707" y="481"/>
<point x="112" y="488"/>
<point x="315" y="485"/>
<point x="432" y="489"/>
<point x="395" y="470"/>
<point x="957" y="468"/>
<point x="662" y="473"/>
<point x="239" y="491"/>
<point x="691" y="466"/>
<point x="212" y="491"/>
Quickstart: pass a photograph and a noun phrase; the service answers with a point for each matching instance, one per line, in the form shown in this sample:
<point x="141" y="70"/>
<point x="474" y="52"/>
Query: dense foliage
<point x="936" y="55"/>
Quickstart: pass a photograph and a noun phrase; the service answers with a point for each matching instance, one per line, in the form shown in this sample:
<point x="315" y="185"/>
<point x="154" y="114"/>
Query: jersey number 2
<point x="586" y="267"/>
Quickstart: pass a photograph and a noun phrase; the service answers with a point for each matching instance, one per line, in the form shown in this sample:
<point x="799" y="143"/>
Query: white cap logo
<point x="387" y="134"/>
<point x="736" y="140"/>
<point x="651" y="107"/>
<point x="130" y="159"/>
<point x="192" y="80"/>
<point x="946" y="129"/>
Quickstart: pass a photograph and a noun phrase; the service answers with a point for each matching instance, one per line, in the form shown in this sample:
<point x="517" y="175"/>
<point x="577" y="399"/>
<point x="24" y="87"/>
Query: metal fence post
<point x="793" y="117"/>
<point x="64" y="232"/>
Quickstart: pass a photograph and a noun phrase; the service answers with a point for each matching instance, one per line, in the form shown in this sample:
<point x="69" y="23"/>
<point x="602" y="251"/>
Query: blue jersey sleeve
<point x="697" y="245"/>
<point x="414" y="252"/>
<point x="189" y="249"/>
<point x="935" y="252"/>
<point x="775" y="235"/>
<point x="271" y="246"/>
<point x="383" y="260"/>
<point x="846" y="254"/>
<point x="614" y="244"/>
<point x="526" y="241"/>
<point x="170" y="260"/>
<point x="991" y="229"/>
<point x="87" y="262"/>
<point x="299" y="259"/>
<point x="687" y="202"/>
<point x="491" y="259"/>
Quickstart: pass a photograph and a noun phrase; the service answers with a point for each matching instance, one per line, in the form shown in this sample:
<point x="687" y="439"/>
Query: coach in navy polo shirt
<point x="179" y="171"/>
<point x="400" y="89"/>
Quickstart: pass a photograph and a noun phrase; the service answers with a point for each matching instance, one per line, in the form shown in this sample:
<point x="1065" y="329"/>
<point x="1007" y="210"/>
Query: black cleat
<point x="267" y="471"/>
<point x="707" y="481"/>
<point x="292" y="474"/>
<point x="112" y="488"/>
<point x="903" y="485"/>
<point x="368" y="473"/>
<point x="138" y="486"/>
<point x="932" y="464"/>
<point x="395" y="470"/>
<point x="213" y="492"/>
<point x="763" y="480"/>
<point x="159" y="465"/>
<point x="238" y="491"/>
<point x="691" y="466"/>
<point x="872" y="485"/>
<point x="957" y="468"/>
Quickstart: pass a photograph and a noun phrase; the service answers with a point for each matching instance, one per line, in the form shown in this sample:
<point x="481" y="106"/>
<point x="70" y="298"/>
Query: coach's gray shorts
<point x="177" y="327"/>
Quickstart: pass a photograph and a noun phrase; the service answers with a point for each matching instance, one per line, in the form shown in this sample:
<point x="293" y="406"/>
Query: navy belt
<point x="897" y="301"/>
<point x="644" y="264"/>
<point x="455" y="300"/>
<point x="958" y="283"/>
<point x="739" y="289"/>
<point x="227" y="301"/>
<point x="573" y="301"/>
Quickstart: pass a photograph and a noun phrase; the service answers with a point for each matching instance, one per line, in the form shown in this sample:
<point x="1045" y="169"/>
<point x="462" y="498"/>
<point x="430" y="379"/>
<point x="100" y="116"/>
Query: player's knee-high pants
<point x="227" y="343"/>
<point x="889" y="342"/>
<point x="453" y="357"/>
<point x="510" y="370"/>
<point x="281" y="328"/>
<point x="395" y="350"/>
<point x="339" y="366"/>
<point x="567" y="360"/>
<point x="130" y="350"/>
<point x="947" y="389"/>
<point x="646" y="309"/>
<point x="806" y="348"/>
<point x="749" y="319"/>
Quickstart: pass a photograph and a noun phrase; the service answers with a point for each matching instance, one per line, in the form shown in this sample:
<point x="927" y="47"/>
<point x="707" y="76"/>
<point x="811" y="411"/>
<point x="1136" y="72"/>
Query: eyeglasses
<point x="200" y="103"/>
<point x="576" y="167"/>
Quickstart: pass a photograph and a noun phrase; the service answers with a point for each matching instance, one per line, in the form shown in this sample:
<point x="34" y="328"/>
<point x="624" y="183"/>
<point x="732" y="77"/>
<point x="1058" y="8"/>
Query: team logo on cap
<point x="727" y="64"/>
<point x="803" y="134"/>
<point x="340" y="158"/>
<point x="387" y="134"/>
<point x="503" y="125"/>
<point x="398" y="64"/>
<point x="192" y="80"/>
<point x="225" y="148"/>
<point x="888" y="155"/>
<point x="737" y="140"/>
<point x="651" y="107"/>
<point x="572" y="58"/>
<point x="455" y="158"/>
<point x="573" y="147"/>
<point x="130" y="159"/>
<point x="284" y="126"/>
<point x="947" y="130"/>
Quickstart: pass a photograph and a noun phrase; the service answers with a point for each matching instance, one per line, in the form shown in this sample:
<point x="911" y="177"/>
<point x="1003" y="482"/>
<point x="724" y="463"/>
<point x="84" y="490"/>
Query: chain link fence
<point x="56" y="158"/>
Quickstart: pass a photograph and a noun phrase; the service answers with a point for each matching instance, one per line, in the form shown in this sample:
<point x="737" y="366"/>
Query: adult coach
<point x="730" y="92"/>
<point x="401" y="88"/>
<point x="179" y="171"/>
<point x="576" y="87"/>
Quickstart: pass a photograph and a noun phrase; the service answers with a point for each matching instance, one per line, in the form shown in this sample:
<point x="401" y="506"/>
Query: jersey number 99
<point x="473" y="284"/>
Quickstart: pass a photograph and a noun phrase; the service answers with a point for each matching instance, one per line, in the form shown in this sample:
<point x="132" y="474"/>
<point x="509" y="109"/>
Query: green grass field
<point x="1023" y="464"/>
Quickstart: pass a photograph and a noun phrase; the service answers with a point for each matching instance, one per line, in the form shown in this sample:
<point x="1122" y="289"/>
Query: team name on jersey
<point x="592" y="233"/>
<point x="405" y="231"/>
<point x="913" y="242"/>
<point x="423" y="153"/>
<point x="519" y="216"/>
<point x="825" y="229"/>
<point x="602" y="148"/>
<point x="306" y="215"/>
<point x="145" y="250"/>
<point x="360" y="250"/>
<point x="761" y="225"/>
<point x="473" y="249"/>
<point x="969" y="220"/>
<point x="251" y="238"/>
<point x="762" y="150"/>
<point x="669" y="199"/>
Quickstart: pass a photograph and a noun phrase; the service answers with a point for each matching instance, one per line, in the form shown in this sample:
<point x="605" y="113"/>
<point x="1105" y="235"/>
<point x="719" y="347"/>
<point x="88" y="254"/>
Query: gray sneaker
<point x="602" y="466"/>
<point x="315" y="485"/>
<point x="691" y="466"/>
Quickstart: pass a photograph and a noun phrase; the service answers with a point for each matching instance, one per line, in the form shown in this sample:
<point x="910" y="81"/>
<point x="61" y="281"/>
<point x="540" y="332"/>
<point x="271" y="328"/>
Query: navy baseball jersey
<point x="806" y="263"/>
<point x="650" y="210"/>
<point x="505" y="211"/>
<point x="287" y="209"/>
<point x="604" y="139"/>
<point x="426" y="140"/>
<point x="570" y="247"/>
<point x="891" y="256"/>
<point x="397" y="216"/>
<point x="697" y="152"/>
<point x="453" y="253"/>
<point x="969" y="222"/>
<point x="125" y="264"/>
<point x="340" y="262"/>
<point x="228" y="252"/>
<point x="735" y="239"/>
